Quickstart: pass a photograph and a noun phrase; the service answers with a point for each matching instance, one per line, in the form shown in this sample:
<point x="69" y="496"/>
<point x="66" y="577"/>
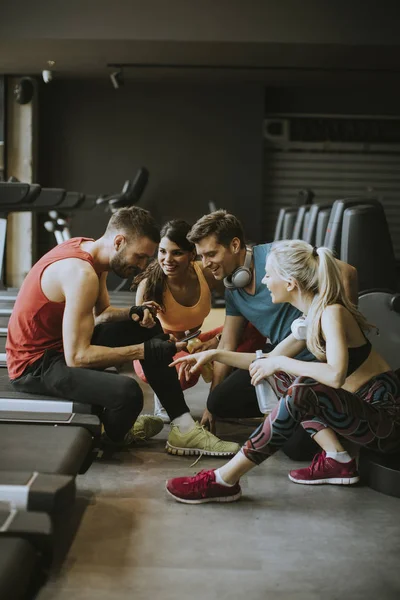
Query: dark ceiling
<point x="267" y="63"/>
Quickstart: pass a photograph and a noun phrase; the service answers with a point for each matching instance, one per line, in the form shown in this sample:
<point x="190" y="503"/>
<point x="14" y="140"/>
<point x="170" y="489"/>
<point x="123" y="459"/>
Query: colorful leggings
<point x="369" y="417"/>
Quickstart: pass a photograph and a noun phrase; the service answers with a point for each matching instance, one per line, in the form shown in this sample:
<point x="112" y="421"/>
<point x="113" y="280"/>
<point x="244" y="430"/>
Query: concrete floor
<point x="282" y="541"/>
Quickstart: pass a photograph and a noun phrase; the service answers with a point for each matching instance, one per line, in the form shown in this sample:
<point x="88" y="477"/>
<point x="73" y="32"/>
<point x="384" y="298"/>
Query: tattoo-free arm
<point x="81" y="289"/>
<point x="333" y="372"/>
<point x="103" y="311"/>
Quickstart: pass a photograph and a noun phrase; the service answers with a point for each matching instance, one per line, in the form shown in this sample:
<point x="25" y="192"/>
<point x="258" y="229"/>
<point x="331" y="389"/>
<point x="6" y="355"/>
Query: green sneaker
<point x="198" y="441"/>
<point x="144" y="428"/>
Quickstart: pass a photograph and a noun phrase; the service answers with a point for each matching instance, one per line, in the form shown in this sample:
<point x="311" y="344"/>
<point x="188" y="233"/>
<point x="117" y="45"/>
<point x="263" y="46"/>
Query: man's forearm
<point x="101" y="357"/>
<point x="111" y="313"/>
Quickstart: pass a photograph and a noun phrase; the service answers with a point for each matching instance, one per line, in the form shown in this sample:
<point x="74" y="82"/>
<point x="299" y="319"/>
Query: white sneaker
<point x="159" y="411"/>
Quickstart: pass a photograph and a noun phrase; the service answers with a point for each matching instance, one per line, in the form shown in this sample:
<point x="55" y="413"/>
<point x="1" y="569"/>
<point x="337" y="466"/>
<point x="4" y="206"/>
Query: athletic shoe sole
<point x="194" y="451"/>
<point x="205" y="500"/>
<point x="330" y="480"/>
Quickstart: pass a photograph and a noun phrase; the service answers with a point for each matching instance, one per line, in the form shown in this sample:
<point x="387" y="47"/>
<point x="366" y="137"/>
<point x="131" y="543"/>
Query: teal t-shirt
<point x="272" y="320"/>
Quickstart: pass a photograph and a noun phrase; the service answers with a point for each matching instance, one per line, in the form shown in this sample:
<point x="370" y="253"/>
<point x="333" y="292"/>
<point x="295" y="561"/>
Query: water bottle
<point x="266" y="397"/>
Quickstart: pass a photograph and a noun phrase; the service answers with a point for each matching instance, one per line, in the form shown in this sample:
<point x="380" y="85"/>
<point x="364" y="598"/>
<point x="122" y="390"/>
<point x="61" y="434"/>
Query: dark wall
<point x="200" y="143"/>
<point x="374" y="99"/>
<point x="2" y="122"/>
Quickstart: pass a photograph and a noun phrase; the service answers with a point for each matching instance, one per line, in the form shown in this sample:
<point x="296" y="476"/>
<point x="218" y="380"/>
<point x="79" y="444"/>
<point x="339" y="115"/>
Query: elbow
<point x="338" y="380"/>
<point x="74" y="359"/>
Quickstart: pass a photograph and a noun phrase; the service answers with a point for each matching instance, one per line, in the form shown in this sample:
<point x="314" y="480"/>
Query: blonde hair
<point x="315" y="272"/>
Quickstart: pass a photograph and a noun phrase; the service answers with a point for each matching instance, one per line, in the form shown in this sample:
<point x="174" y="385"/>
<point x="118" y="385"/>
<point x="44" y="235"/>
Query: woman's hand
<point x="196" y="361"/>
<point x="209" y="345"/>
<point x="262" y="368"/>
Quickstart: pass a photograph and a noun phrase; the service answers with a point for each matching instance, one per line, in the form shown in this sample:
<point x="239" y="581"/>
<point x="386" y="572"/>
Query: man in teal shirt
<point x="220" y="242"/>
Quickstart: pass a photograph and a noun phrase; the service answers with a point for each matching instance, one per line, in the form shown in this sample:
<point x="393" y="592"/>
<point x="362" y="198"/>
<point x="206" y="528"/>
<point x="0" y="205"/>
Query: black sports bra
<point x="357" y="356"/>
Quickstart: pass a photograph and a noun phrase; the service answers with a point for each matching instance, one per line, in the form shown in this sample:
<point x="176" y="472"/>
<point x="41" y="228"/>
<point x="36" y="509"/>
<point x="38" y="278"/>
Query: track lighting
<point x="117" y="79"/>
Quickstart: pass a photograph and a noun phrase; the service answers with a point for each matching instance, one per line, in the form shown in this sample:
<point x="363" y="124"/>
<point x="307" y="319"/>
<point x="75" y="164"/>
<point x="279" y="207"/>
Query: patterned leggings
<point x="369" y="417"/>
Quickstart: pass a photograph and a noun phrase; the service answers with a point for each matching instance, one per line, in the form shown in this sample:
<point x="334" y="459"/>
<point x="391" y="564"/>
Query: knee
<point x="302" y="390"/>
<point x="128" y="394"/>
<point x="215" y="400"/>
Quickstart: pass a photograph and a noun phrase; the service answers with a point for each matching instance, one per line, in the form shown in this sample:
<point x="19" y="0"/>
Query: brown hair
<point x="134" y="222"/>
<point x="220" y="223"/>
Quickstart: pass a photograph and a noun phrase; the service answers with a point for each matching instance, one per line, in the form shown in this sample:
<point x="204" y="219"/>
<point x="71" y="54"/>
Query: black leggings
<point x="120" y="398"/>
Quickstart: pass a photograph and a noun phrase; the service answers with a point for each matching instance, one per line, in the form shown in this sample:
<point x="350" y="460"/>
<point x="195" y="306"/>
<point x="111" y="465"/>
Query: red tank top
<point x="36" y="322"/>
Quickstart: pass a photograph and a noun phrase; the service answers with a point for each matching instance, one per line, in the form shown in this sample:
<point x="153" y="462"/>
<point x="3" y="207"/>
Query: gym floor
<point x="291" y="541"/>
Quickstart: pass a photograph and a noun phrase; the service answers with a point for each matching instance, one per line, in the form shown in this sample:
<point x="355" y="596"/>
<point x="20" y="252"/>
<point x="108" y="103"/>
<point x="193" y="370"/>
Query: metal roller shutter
<point x="331" y="169"/>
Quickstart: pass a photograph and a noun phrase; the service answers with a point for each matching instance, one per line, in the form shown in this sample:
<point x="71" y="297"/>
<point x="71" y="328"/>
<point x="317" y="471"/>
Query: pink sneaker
<point x="326" y="470"/>
<point x="201" y="488"/>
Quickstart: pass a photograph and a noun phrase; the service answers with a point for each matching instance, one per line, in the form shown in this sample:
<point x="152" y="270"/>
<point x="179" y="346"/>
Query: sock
<point x="219" y="479"/>
<point x="185" y="422"/>
<point x="342" y="457"/>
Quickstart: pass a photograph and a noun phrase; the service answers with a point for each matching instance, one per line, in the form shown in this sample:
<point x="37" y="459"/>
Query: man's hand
<point x="208" y="421"/>
<point x="146" y="314"/>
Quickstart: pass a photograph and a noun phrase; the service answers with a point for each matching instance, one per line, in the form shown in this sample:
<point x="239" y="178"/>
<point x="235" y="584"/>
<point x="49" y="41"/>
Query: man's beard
<point x="120" y="267"/>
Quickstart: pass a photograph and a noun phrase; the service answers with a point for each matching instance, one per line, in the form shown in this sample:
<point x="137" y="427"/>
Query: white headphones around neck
<point x="299" y="328"/>
<point x="241" y="277"/>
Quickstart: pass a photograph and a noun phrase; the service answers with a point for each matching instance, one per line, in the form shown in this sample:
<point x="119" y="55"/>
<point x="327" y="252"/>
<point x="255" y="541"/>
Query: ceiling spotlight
<point x="117" y="79"/>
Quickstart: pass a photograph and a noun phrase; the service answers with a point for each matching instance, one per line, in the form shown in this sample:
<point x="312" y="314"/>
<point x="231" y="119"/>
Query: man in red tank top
<point x="63" y="333"/>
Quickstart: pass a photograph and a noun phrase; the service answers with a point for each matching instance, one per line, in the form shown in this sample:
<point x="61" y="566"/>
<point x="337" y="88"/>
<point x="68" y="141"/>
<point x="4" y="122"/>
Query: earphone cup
<point x="228" y="283"/>
<point x="299" y="329"/>
<point x="241" y="277"/>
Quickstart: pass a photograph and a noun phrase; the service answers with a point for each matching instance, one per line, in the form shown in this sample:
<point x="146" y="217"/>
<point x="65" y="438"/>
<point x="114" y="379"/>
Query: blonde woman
<point x="351" y="392"/>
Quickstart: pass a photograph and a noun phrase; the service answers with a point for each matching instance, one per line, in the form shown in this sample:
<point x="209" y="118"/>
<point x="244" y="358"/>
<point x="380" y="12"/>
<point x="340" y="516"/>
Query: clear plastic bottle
<point x="266" y="397"/>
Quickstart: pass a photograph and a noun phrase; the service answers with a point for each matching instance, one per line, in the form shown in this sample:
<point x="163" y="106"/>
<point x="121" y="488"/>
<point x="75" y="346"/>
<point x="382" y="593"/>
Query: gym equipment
<point x="301" y="221"/>
<point x="382" y="309"/>
<point x="322" y="224"/>
<point x="33" y="491"/>
<point x="372" y="254"/>
<point x="334" y="229"/>
<point x="10" y="399"/>
<point x="34" y="527"/>
<point x="363" y="224"/>
<point x="19" y="563"/>
<point x="366" y="244"/>
<point x="131" y="192"/>
<point x="381" y="472"/>
<point x="46" y="449"/>
<point x="285" y="223"/>
<point x="310" y="226"/>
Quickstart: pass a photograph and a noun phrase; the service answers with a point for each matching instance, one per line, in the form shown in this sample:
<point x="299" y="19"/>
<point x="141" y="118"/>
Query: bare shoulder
<point x="334" y="313"/>
<point x="68" y="276"/>
<point x="77" y="268"/>
<point x="76" y="274"/>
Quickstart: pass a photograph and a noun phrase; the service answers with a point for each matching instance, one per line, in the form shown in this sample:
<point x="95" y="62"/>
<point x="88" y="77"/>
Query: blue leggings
<point x="369" y="417"/>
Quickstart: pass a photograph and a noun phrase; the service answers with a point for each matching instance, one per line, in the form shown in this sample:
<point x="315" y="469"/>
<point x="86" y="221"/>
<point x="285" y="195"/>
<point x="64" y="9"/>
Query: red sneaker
<point x="201" y="488"/>
<point x="326" y="470"/>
